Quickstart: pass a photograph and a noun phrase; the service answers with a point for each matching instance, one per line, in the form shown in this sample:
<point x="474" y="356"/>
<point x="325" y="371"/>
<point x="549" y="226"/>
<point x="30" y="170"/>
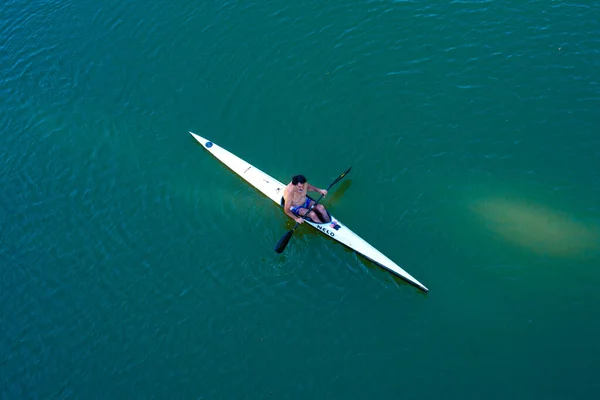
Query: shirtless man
<point x="297" y="204"/>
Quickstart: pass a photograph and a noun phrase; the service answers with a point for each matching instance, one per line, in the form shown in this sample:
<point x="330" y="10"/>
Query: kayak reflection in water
<point x="296" y="202"/>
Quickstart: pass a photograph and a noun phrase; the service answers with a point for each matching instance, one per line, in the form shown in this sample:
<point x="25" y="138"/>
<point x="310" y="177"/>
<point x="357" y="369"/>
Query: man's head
<point x="296" y="179"/>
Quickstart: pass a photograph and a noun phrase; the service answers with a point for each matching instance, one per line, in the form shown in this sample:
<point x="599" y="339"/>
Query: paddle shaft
<point x="309" y="210"/>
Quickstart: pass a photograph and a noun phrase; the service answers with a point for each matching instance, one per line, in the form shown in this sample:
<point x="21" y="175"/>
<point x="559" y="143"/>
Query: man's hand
<point x="323" y="192"/>
<point x="300" y="220"/>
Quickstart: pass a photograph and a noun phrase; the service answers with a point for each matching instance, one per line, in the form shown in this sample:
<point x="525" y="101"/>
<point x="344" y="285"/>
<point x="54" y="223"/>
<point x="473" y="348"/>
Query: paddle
<point x="286" y="238"/>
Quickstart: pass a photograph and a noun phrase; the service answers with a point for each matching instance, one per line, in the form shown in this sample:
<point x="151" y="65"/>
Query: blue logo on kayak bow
<point x="209" y="144"/>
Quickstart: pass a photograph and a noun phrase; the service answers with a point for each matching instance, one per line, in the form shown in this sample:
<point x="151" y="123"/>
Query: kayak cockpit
<point x="282" y="202"/>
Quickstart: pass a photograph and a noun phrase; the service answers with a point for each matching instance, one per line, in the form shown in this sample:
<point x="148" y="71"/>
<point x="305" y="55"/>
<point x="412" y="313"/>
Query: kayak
<point x="273" y="189"/>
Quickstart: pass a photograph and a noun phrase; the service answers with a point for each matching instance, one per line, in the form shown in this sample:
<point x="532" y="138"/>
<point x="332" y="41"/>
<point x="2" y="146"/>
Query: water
<point x="134" y="265"/>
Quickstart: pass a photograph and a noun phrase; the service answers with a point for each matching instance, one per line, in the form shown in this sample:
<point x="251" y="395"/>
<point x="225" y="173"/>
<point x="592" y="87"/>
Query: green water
<point x="134" y="265"/>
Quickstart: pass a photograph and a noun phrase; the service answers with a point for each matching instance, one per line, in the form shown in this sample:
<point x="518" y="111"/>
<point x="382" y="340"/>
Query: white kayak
<point x="273" y="189"/>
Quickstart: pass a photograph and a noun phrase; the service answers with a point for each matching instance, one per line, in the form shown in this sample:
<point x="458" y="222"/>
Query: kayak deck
<point x="273" y="189"/>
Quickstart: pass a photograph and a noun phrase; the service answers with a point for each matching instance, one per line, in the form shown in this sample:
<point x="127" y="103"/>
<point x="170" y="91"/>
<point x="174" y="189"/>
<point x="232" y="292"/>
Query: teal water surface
<point x="134" y="265"/>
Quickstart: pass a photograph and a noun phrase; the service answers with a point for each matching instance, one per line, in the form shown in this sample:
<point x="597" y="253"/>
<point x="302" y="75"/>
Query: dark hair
<point x="296" y="179"/>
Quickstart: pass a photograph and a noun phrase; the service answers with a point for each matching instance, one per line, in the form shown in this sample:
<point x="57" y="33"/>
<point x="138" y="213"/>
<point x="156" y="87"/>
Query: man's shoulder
<point x="287" y="188"/>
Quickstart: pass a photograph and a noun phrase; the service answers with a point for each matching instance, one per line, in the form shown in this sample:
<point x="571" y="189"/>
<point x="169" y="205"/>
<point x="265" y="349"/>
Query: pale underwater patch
<point x="538" y="228"/>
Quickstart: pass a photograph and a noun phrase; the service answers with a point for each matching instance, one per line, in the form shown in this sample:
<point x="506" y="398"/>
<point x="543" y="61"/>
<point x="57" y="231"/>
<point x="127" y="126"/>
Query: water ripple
<point x="129" y="255"/>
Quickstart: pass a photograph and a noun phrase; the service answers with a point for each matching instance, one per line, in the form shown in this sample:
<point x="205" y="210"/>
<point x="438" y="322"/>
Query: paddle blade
<point x="284" y="241"/>
<point x="339" y="178"/>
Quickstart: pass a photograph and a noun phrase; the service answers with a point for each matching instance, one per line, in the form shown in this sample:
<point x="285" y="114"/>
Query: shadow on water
<point x="303" y="232"/>
<point x="340" y="191"/>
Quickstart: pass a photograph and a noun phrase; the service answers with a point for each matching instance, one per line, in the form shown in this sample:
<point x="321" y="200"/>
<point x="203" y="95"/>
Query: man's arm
<point x="312" y="188"/>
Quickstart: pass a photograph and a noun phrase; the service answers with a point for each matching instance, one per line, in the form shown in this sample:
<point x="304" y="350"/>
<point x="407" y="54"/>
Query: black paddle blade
<point x="284" y="241"/>
<point x="339" y="178"/>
